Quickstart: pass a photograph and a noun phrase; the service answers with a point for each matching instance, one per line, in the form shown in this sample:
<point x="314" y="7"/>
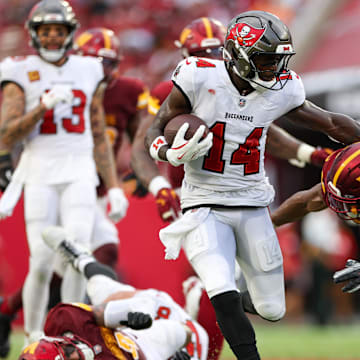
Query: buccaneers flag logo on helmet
<point x="245" y="35"/>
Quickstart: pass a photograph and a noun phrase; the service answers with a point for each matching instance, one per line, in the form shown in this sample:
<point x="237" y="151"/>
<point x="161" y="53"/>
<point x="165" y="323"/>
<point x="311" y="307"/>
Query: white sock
<point x="73" y="285"/>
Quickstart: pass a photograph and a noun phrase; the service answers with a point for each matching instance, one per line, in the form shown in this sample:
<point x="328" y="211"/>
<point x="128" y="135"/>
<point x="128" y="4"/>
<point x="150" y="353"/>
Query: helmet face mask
<point x="347" y="207"/>
<point x="51" y="12"/>
<point x="256" y="33"/>
<point x="204" y="37"/>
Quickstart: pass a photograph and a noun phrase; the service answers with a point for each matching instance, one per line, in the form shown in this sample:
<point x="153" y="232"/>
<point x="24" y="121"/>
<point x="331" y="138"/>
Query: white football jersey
<point x="162" y="306"/>
<point x="60" y="148"/>
<point x="232" y="173"/>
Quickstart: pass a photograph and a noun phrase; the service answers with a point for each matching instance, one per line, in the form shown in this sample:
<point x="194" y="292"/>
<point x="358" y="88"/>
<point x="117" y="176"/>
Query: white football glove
<point x="183" y="150"/>
<point x="118" y="204"/>
<point x="57" y="94"/>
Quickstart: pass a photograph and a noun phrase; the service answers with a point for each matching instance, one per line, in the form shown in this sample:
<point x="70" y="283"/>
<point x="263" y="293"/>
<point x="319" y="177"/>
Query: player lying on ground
<point x="120" y="299"/>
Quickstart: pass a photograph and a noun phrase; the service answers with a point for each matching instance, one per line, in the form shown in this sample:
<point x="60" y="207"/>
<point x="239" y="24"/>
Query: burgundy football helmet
<point x="57" y="348"/>
<point x="341" y="183"/>
<point x="51" y="12"/>
<point x="204" y="37"/>
<point x="255" y="33"/>
<point x="103" y="44"/>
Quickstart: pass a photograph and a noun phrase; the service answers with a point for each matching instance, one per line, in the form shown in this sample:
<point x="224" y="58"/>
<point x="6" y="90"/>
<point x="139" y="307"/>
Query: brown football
<point x="175" y="123"/>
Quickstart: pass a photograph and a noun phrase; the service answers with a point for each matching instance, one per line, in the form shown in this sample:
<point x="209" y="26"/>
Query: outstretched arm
<point x="281" y="144"/>
<point x="298" y="205"/>
<point x="338" y="126"/>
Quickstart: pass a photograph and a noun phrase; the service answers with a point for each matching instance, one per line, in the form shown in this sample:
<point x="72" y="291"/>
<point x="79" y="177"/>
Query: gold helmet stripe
<point x="83" y="38"/>
<point x="107" y="39"/>
<point x="342" y="166"/>
<point x="208" y="28"/>
<point x="184" y="34"/>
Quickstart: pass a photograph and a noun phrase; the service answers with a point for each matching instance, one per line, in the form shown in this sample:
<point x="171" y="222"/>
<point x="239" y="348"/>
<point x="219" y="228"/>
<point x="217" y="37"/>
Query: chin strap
<point x="52" y="55"/>
<point x="261" y="85"/>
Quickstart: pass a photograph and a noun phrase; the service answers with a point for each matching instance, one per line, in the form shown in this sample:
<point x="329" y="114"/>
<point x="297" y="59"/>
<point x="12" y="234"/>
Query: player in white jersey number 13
<point x="225" y="193"/>
<point x="52" y="104"/>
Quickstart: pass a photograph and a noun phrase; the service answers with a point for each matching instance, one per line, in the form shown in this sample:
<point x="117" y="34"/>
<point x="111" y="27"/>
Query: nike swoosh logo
<point x="187" y="62"/>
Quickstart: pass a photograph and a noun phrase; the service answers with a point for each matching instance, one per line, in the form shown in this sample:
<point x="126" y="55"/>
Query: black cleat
<point x="5" y="330"/>
<point x="55" y="238"/>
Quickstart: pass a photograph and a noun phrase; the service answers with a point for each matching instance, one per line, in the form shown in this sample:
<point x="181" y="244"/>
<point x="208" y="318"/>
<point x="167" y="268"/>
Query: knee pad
<point x="272" y="311"/>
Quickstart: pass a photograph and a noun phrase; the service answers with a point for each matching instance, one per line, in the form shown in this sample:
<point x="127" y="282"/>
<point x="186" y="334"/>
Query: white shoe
<point x="53" y="236"/>
<point x="56" y="238"/>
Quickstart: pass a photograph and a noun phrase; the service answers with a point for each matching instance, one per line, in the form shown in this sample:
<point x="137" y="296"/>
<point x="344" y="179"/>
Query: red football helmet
<point x="204" y="37"/>
<point x="57" y="348"/>
<point x="342" y="183"/>
<point x="103" y="44"/>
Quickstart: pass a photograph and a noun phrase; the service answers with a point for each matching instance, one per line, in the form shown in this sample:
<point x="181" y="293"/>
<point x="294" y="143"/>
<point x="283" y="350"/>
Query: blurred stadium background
<point x="321" y="322"/>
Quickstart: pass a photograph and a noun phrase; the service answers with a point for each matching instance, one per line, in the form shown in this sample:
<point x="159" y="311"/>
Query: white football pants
<point x="72" y="206"/>
<point x="247" y="233"/>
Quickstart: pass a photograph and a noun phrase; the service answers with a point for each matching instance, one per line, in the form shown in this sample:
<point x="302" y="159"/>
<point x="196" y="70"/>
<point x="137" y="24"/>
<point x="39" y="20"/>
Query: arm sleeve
<point x="117" y="310"/>
<point x="297" y="92"/>
<point x="10" y="72"/>
<point x="183" y="78"/>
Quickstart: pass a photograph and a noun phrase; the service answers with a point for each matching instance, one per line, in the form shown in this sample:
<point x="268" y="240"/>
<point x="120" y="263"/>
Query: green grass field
<point x="283" y="342"/>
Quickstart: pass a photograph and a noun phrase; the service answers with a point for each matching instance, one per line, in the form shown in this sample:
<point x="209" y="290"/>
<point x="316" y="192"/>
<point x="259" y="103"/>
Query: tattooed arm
<point x="103" y="154"/>
<point x="15" y="124"/>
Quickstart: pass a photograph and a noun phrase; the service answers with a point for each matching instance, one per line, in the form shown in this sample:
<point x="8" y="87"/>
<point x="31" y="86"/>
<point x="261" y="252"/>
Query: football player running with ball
<point x="203" y="37"/>
<point x="225" y="192"/>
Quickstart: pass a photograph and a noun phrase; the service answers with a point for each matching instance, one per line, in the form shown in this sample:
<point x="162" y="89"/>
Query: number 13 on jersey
<point x="73" y="124"/>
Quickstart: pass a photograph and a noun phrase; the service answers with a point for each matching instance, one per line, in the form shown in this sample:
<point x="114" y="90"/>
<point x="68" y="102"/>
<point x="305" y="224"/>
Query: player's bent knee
<point x="271" y="311"/>
<point x="219" y="289"/>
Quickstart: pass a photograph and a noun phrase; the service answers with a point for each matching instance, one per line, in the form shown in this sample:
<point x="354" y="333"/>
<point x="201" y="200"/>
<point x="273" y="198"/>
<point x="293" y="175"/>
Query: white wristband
<point x="155" y="147"/>
<point x="304" y="152"/>
<point x="158" y="183"/>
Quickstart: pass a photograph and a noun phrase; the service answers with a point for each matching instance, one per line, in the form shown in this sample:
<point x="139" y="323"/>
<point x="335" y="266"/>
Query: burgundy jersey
<point x="78" y="319"/>
<point x="325" y="169"/>
<point x="157" y="96"/>
<point x="122" y="100"/>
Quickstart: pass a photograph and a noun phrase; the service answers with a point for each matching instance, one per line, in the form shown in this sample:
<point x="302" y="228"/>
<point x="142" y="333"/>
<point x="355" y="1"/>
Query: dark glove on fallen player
<point x="350" y="273"/>
<point x="181" y="355"/>
<point x="137" y="321"/>
<point x="6" y="170"/>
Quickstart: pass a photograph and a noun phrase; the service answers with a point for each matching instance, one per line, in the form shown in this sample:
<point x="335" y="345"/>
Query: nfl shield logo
<point x="242" y="102"/>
